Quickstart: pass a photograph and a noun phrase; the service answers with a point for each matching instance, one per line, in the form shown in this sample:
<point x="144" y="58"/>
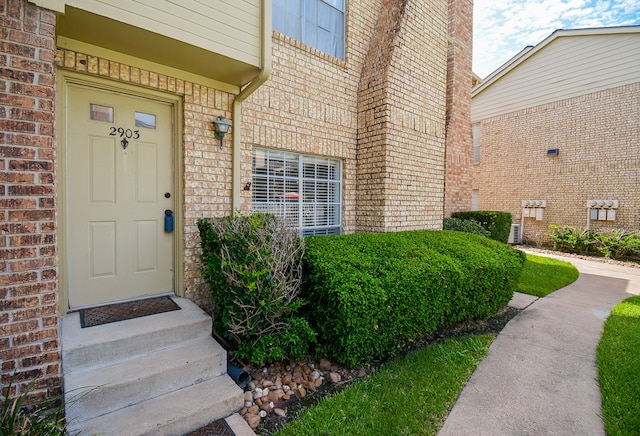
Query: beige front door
<point x="119" y="183"/>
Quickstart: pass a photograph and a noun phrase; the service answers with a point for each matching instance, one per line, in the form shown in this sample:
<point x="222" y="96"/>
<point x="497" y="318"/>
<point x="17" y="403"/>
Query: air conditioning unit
<point x="515" y="236"/>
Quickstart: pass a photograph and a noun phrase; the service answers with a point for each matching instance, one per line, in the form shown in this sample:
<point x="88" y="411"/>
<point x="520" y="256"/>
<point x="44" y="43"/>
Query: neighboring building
<point x="556" y="133"/>
<point x="111" y="101"/>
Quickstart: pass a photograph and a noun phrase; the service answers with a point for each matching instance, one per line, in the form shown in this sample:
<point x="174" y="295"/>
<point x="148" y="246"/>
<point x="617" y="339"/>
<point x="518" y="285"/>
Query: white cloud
<point x="504" y="28"/>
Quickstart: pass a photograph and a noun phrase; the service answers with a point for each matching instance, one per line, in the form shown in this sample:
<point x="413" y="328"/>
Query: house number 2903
<point x="124" y="133"/>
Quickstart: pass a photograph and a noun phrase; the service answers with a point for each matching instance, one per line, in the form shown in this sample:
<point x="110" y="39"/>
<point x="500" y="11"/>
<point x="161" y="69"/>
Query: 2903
<point x="124" y="133"/>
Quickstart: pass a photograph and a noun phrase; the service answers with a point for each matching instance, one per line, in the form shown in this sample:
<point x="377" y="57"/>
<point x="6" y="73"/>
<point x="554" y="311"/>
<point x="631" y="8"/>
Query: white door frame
<point x="64" y="79"/>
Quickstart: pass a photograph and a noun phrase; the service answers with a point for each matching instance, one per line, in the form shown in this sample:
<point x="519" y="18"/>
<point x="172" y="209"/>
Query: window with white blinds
<point x="305" y="190"/>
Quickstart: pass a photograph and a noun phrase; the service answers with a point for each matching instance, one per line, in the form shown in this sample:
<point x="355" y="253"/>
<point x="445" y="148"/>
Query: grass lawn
<point x="410" y="396"/>
<point x="543" y="275"/>
<point x="618" y="358"/>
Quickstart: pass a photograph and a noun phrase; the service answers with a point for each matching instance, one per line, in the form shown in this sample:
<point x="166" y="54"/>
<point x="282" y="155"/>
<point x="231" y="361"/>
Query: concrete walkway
<point x="540" y="377"/>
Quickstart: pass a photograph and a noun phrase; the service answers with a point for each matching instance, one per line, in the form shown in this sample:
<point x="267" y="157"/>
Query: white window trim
<point x="290" y="207"/>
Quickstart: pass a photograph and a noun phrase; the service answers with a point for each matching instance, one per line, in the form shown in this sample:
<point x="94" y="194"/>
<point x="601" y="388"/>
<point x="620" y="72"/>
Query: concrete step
<point x="172" y="414"/>
<point x="160" y="374"/>
<point x="92" y="392"/>
<point x="106" y="344"/>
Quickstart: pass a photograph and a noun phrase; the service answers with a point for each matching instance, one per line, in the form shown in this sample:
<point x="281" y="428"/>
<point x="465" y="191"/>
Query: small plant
<point x="618" y="244"/>
<point x="467" y="226"/>
<point x="295" y="341"/>
<point x="571" y="239"/>
<point x="614" y="245"/>
<point x="253" y="267"/>
<point x="18" y="418"/>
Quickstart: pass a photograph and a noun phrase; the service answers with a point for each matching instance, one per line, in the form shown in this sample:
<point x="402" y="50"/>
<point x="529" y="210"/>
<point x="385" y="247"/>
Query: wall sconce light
<point x="221" y="127"/>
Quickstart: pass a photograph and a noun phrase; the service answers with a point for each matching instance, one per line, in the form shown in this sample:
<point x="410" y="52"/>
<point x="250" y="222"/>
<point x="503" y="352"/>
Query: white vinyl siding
<point x="566" y="67"/>
<point x="305" y="190"/>
<point x="318" y="23"/>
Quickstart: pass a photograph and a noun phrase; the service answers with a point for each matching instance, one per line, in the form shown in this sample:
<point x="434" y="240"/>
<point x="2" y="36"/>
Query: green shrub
<point x="252" y="265"/>
<point x="467" y="226"/>
<point x="374" y="293"/>
<point x="618" y="244"/>
<point x="295" y="341"/>
<point x="571" y="239"/>
<point x="497" y="223"/>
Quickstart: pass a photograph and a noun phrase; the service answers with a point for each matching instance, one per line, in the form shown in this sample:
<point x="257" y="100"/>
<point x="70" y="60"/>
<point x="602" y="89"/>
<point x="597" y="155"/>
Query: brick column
<point x="29" y="317"/>
<point x="401" y="119"/>
<point x="459" y="140"/>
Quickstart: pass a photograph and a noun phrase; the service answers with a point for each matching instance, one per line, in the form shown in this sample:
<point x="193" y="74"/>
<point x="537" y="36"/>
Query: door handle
<point x="168" y="221"/>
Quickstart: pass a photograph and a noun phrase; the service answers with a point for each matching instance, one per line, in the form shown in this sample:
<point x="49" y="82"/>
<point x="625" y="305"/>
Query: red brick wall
<point x="459" y="158"/>
<point x="28" y="242"/>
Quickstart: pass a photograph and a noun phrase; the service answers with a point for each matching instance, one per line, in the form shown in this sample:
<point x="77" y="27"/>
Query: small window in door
<point x="146" y="121"/>
<point x="98" y="112"/>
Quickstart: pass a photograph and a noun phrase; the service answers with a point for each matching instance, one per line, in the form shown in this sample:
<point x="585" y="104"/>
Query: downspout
<point x="236" y="114"/>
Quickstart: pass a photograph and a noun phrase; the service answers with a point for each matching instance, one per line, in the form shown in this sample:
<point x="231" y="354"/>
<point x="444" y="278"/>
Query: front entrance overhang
<point x="76" y="24"/>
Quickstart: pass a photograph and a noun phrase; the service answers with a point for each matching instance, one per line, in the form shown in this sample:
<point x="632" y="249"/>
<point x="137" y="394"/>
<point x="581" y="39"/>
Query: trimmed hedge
<point x="467" y="226"/>
<point x="498" y="223"/>
<point x="371" y="294"/>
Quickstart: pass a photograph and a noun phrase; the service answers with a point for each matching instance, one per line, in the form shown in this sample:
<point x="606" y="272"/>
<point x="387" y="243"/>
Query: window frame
<point x="304" y="189"/>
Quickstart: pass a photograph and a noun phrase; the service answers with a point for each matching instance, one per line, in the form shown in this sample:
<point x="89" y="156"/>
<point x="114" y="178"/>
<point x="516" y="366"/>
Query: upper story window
<point x="476" y="142"/>
<point x="318" y="23"/>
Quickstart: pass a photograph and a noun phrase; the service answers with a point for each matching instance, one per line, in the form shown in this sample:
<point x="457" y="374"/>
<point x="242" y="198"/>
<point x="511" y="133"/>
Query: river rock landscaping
<point x="277" y="393"/>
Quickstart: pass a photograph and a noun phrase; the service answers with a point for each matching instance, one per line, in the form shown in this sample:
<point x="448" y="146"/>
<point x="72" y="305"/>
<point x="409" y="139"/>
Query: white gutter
<point x="236" y="113"/>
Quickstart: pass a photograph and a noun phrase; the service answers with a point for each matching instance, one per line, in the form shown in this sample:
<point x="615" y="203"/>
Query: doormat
<point x="123" y="311"/>
<point x="216" y="428"/>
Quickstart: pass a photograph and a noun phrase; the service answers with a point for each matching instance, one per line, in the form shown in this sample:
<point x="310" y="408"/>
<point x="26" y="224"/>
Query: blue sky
<point x="501" y="28"/>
